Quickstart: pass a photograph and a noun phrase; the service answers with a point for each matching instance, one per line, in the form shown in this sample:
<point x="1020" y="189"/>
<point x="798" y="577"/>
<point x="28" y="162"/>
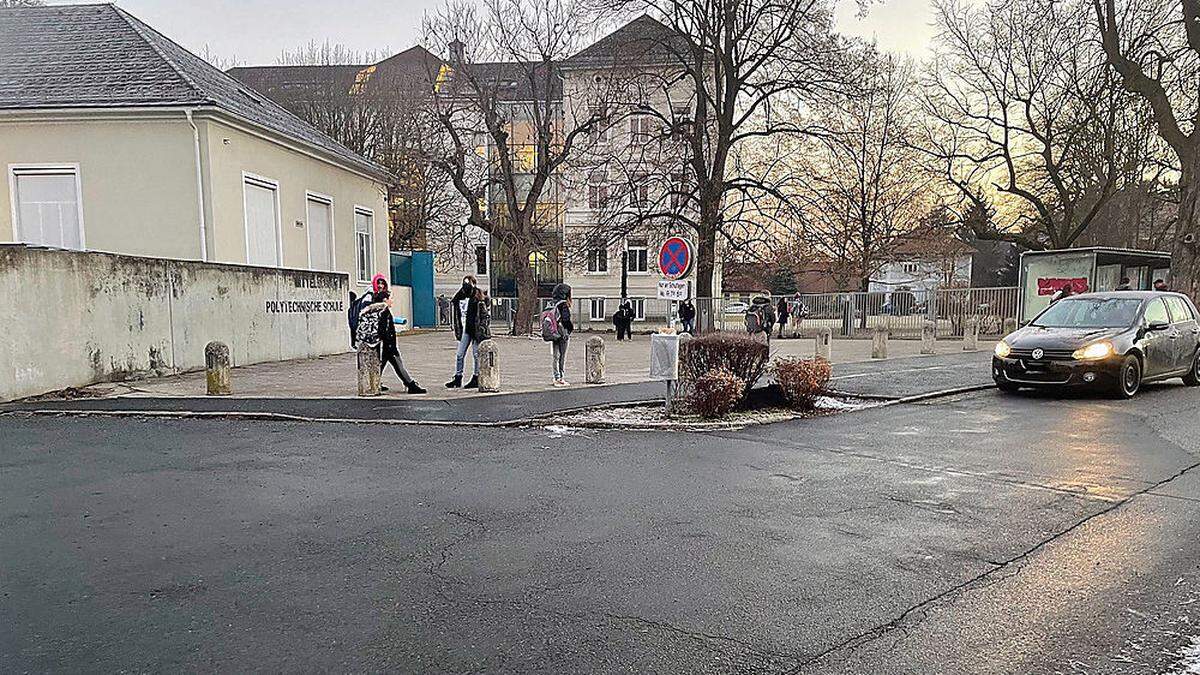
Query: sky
<point x="255" y="32"/>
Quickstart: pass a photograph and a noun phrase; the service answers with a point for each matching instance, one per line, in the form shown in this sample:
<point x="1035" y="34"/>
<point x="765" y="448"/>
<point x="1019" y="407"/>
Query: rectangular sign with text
<point x="672" y="290"/>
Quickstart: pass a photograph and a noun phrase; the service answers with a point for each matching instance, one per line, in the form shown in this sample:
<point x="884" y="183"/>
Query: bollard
<point x="823" y="345"/>
<point x="216" y="369"/>
<point x="594" y="354"/>
<point x="879" y="340"/>
<point x="489" y="367"/>
<point x="971" y="334"/>
<point x="368" y="370"/>
<point x="1010" y="325"/>
<point x="928" y="337"/>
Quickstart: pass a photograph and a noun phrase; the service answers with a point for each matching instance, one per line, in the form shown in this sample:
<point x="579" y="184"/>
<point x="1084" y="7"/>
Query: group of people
<point x="373" y="324"/>
<point x="761" y="317"/>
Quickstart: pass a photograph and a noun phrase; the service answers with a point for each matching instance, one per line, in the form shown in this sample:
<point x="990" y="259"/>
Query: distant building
<point x="116" y="139"/>
<point x="924" y="264"/>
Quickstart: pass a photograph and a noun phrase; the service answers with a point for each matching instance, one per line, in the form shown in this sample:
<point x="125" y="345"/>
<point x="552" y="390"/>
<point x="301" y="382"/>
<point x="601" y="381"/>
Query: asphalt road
<point x="979" y="534"/>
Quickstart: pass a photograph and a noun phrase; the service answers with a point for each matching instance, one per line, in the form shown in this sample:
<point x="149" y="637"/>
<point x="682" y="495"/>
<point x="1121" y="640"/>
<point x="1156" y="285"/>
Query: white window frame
<point x="273" y="185"/>
<point x="592" y="305"/>
<point x="328" y="201"/>
<point x="629" y="258"/>
<point x="32" y="169"/>
<point x="597" y="190"/>
<point x="639" y="308"/>
<point x="487" y="260"/>
<point x="597" y="272"/>
<point x="365" y="210"/>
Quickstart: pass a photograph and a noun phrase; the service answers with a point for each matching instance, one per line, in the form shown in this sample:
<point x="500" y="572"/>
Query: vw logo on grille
<point x="1038" y="353"/>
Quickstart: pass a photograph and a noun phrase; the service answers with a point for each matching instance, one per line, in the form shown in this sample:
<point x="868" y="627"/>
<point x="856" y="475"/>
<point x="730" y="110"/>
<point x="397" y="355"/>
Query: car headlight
<point x="1096" y="350"/>
<point x="1002" y="349"/>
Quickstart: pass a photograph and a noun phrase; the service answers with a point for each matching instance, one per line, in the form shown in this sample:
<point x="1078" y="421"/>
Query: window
<point x="261" y="196"/>
<point x="1156" y="312"/>
<point x="639" y="308"/>
<point x="597" y="259"/>
<point x="481" y="260"/>
<point x="1180" y="310"/>
<point x="638" y="256"/>
<point x="908" y="267"/>
<point x="641" y="129"/>
<point x="319" y="218"/>
<point x="597" y="309"/>
<point x="364" y="243"/>
<point x="680" y="190"/>
<point x="597" y="190"/>
<point x="639" y="191"/>
<point x="599" y="132"/>
<point x="47" y="209"/>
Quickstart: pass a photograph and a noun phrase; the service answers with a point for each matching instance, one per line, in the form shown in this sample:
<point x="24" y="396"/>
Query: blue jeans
<point x="464" y="342"/>
<point x="689" y="325"/>
<point x="558" y="356"/>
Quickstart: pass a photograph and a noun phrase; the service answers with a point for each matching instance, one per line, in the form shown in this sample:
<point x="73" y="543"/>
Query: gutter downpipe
<point x="199" y="186"/>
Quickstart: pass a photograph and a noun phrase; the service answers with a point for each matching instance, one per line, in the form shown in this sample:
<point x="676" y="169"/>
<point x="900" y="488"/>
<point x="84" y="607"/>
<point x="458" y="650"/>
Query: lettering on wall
<point x="304" y="306"/>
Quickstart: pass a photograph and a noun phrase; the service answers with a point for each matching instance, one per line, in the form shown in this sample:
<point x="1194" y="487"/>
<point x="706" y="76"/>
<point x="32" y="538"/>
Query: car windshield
<point x="1090" y="313"/>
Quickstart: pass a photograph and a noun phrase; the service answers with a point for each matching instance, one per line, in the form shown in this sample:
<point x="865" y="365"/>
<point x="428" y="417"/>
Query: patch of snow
<point x="1189" y="659"/>
<point x="838" y="404"/>
<point x="560" y="431"/>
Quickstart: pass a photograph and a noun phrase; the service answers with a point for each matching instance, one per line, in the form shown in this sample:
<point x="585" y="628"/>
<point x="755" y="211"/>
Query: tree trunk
<point x="527" y="290"/>
<point x="706" y="261"/>
<point x="1185" y="265"/>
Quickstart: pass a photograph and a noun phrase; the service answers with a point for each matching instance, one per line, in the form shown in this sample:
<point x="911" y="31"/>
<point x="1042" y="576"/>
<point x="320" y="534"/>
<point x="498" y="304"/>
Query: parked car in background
<point x="1114" y="341"/>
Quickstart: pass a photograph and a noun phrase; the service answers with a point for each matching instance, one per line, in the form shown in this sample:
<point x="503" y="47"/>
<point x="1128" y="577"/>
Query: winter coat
<point x="387" y="332"/>
<point x="560" y="295"/>
<point x="375" y="312"/>
<point x="687" y="311"/>
<point x="466" y="292"/>
<point x="783" y="311"/>
<point x="481" y="327"/>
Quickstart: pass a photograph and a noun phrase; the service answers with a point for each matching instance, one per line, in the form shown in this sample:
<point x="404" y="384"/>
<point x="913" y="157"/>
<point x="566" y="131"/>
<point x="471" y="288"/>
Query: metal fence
<point x="853" y="314"/>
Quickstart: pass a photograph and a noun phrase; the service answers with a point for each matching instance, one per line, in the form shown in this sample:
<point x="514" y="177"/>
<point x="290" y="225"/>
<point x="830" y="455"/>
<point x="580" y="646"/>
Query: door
<point x="1186" y="331"/>
<point x="262" y="223"/>
<point x="319" y="214"/>
<point x="1159" y="344"/>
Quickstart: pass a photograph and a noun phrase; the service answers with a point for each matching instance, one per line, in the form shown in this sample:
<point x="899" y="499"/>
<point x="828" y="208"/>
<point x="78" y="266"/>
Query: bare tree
<point x="858" y="186"/>
<point x="1021" y="106"/>
<point x="727" y="76"/>
<point x="500" y="106"/>
<point x="1154" y="47"/>
<point x="21" y="3"/>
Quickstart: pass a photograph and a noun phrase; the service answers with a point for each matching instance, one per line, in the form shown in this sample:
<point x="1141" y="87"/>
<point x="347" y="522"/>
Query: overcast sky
<point x="256" y="31"/>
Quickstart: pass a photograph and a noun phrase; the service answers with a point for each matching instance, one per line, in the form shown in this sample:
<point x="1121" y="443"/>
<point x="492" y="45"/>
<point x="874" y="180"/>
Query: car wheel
<point x="1007" y="387"/>
<point x="1129" y="377"/>
<point x="1193" y="376"/>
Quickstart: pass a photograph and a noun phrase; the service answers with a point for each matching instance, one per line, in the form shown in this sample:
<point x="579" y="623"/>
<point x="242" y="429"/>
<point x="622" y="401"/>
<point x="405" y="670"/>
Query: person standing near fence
<point x="465" y="309"/>
<point x="687" y="316"/>
<point x="782" y="313"/>
<point x="556" y="329"/>
<point x="623" y="320"/>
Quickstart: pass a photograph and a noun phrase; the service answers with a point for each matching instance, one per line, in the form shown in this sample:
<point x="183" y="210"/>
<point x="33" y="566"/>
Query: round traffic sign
<point x="675" y="258"/>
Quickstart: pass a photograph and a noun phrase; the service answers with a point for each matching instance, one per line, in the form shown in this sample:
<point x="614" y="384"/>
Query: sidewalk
<point x="524" y="367"/>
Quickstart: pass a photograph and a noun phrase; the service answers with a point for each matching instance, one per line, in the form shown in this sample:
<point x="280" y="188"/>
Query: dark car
<point x="1114" y="341"/>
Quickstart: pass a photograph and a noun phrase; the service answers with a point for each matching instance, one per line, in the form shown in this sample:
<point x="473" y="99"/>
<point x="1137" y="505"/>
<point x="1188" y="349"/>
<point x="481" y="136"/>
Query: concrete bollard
<point x="824" y="340"/>
<point x="879" y="342"/>
<point x="368" y="371"/>
<point x="489" y="367"/>
<point x="1010" y="325"/>
<point x="595" y="360"/>
<point x="971" y="334"/>
<point x="217" y="369"/>
<point x="928" y="337"/>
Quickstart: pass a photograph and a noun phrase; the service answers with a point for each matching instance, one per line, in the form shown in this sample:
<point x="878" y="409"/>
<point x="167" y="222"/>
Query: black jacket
<point x="464" y="293"/>
<point x="387" y="333"/>
<point x="687" y="311"/>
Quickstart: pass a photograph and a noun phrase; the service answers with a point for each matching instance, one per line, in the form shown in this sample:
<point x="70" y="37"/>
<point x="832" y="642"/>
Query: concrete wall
<point x="74" y="318"/>
<point x="137" y="176"/>
<point x="229" y="151"/>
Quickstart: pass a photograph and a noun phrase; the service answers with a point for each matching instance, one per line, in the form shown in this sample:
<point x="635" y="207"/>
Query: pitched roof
<point x="97" y="56"/>
<point x="644" y="40"/>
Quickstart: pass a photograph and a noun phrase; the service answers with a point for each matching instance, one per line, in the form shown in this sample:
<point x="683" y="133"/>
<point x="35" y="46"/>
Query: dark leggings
<point x="397" y="364"/>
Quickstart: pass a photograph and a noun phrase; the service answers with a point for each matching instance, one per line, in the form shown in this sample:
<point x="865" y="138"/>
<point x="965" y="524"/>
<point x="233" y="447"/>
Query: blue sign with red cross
<point x="675" y="258"/>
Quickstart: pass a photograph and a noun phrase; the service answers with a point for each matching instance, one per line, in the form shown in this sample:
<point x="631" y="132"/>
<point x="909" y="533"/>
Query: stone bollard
<point x="1010" y="325"/>
<point x="595" y="360"/>
<point x="368" y="371"/>
<point x="928" y="337"/>
<point x="971" y="334"/>
<point x="824" y="340"/>
<point x="489" y="367"/>
<point x="216" y="369"/>
<point x="879" y="342"/>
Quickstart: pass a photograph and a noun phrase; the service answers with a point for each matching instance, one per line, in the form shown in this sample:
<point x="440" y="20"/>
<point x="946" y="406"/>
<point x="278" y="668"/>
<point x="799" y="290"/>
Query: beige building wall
<point x="230" y="151"/>
<point x="137" y="177"/>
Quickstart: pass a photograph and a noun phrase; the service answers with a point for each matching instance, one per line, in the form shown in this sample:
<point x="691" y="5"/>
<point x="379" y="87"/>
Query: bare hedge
<point x="739" y="354"/>
<point x="716" y="393"/>
<point x="802" y="380"/>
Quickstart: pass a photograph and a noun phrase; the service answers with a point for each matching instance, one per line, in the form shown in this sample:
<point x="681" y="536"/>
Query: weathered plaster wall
<point x="73" y="319"/>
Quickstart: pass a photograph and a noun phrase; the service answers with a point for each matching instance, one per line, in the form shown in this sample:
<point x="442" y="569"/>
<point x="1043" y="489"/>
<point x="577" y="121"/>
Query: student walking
<point x="465" y="307"/>
<point x="556" y="329"/>
<point x="377" y="329"/>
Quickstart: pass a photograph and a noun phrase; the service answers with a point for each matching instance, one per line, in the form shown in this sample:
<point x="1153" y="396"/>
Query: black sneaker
<point x="415" y="388"/>
<point x="383" y="387"/>
<point x="455" y="383"/>
<point x="473" y="384"/>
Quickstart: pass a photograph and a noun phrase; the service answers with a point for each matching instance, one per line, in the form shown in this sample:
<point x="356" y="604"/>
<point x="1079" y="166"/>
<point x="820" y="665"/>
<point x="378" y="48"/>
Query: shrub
<point x="802" y="380"/>
<point x="736" y="353"/>
<point x="715" y="393"/>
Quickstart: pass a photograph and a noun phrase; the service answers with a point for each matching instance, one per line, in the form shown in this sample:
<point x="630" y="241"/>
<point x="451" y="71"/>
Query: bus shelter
<point x="1044" y="273"/>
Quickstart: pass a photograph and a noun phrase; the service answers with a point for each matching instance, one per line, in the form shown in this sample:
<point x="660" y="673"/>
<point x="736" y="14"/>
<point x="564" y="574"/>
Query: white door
<point x="48" y="209"/>
<point x="320" y="234"/>
<point x="262" y="222"/>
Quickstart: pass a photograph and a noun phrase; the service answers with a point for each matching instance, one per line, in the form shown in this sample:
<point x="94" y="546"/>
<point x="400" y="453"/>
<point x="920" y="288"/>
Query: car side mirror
<point x="1158" y="325"/>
